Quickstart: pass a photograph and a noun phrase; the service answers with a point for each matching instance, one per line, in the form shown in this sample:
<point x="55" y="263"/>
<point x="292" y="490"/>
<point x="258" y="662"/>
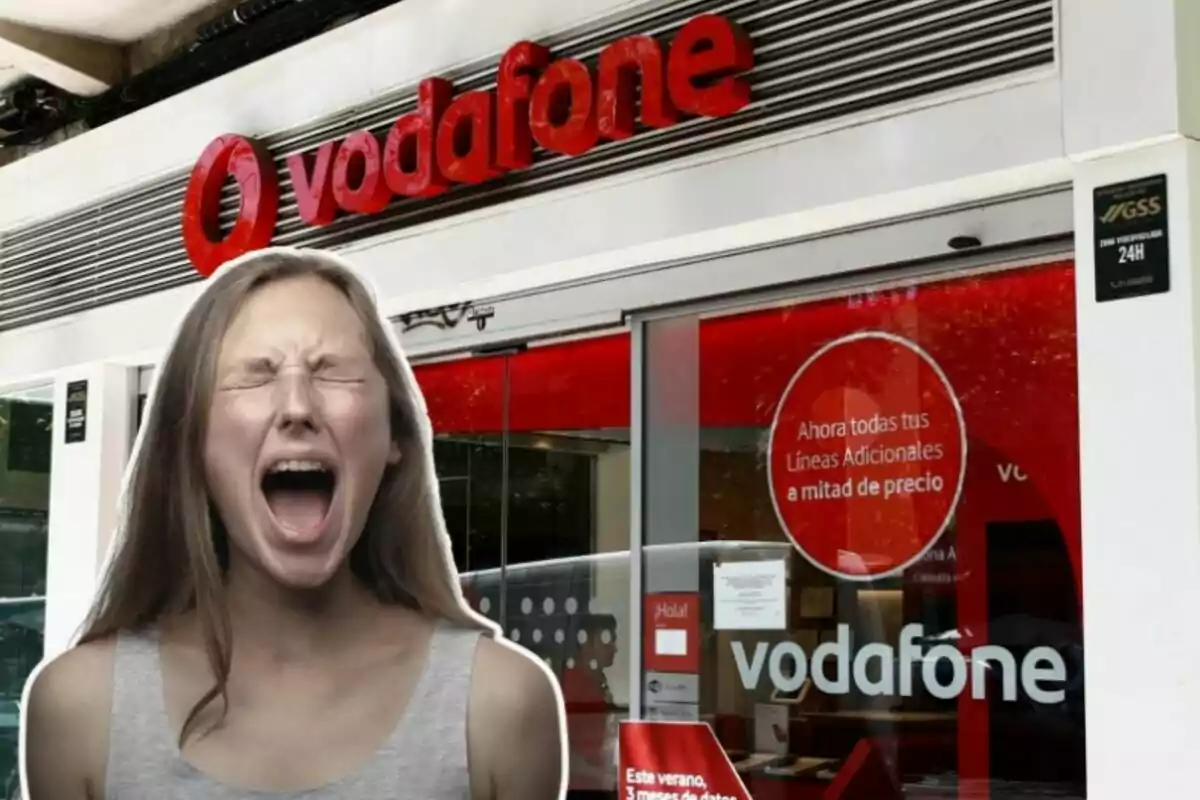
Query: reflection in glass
<point x="25" y="443"/>
<point x="533" y="457"/>
<point x="964" y="668"/>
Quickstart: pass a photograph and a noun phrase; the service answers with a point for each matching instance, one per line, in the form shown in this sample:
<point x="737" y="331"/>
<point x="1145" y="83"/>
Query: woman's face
<point x="299" y="432"/>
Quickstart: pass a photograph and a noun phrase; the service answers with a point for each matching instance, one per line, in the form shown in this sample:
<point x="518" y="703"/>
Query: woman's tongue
<point x="299" y="513"/>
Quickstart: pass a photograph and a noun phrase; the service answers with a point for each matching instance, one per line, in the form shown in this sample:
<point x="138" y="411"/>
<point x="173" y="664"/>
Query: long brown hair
<point x="171" y="550"/>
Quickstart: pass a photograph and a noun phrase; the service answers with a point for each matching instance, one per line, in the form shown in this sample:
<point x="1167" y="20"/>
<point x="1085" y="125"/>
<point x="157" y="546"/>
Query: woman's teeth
<point x="298" y="466"/>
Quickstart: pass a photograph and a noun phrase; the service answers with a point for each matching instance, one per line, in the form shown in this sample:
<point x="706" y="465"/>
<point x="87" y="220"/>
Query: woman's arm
<point x="516" y="728"/>
<point x="65" y="740"/>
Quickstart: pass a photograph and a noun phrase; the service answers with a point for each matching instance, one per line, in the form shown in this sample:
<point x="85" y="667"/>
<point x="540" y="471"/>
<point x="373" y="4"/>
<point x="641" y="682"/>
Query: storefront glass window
<point x="862" y="525"/>
<point x="25" y="439"/>
<point x="533" y="459"/>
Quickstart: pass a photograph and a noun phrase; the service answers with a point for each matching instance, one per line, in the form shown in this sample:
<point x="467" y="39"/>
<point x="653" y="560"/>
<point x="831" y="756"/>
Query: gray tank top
<point x="425" y="757"/>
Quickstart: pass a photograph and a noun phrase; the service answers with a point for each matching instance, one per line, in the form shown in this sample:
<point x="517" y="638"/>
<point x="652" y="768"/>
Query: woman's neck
<point x="274" y="622"/>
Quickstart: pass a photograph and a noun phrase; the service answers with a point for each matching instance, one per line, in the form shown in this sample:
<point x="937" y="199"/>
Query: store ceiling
<point x="75" y="26"/>
<point x="121" y="21"/>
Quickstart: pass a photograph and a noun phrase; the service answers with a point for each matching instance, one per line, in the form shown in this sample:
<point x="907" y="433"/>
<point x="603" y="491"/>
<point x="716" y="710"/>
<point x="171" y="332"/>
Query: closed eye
<point x="331" y="370"/>
<point x="339" y="377"/>
<point x="249" y="381"/>
<point x="252" y="375"/>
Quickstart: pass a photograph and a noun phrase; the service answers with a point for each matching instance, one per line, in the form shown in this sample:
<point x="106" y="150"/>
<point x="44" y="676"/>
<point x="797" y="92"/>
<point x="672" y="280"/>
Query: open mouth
<point x="299" y="494"/>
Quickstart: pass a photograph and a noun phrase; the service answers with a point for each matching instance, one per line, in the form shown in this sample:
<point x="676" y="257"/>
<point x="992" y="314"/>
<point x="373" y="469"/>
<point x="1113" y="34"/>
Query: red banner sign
<point x="675" y="761"/>
<point x="564" y="106"/>
<point x="867" y="456"/>
<point x="672" y="633"/>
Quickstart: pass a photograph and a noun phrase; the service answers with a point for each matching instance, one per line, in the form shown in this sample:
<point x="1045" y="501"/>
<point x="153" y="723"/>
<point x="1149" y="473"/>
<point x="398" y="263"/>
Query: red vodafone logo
<point x="251" y="166"/>
<point x="867" y="456"/>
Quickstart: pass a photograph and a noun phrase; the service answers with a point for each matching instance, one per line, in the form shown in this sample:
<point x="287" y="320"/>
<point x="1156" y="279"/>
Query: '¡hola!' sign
<point x="562" y="105"/>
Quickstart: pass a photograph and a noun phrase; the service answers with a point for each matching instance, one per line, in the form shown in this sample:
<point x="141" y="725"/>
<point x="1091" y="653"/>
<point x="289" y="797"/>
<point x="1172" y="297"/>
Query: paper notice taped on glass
<point x="673" y="712"/>
<point x="671" y="687"/>
<point x="750" y="596"/>
<point x="771" y="728"/>
<point x="670" y="642"/>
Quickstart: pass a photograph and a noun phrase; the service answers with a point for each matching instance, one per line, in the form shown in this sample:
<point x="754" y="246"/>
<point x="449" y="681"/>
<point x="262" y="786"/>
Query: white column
<point x="1138" y="403"/>
<point x="1124" y="71"/>
<point x="1131" y="100"/>
<point x="85" y="481"/>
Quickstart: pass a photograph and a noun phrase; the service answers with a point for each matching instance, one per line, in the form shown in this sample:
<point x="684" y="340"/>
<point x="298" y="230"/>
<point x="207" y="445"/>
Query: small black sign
<point x="76" y="411"/>
<point x="1132" y="247"/>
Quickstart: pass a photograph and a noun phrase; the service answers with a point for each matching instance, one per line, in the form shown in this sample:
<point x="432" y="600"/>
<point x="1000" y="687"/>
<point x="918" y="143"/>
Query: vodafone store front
<point x="793" y="432"/>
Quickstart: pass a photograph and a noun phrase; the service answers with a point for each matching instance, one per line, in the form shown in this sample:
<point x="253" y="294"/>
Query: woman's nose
<point x="296" y="400"/>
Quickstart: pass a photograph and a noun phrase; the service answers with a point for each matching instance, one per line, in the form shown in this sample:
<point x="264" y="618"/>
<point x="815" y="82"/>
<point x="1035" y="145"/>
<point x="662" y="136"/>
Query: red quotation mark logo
<point x="251" y="166"/>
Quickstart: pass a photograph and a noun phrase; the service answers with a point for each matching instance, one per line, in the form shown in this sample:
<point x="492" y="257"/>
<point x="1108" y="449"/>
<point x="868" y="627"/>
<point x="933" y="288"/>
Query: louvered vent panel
<point x="816" y="60"/>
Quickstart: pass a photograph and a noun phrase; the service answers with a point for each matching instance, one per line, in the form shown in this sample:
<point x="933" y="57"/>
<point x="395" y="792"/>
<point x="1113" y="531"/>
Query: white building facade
<point x="636" y="324"/>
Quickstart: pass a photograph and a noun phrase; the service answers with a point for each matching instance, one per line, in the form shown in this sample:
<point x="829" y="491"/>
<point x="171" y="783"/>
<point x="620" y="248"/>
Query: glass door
<point x="26" y="423"/>
<point x="862" y="522"/>
<point x="533" y="456"/>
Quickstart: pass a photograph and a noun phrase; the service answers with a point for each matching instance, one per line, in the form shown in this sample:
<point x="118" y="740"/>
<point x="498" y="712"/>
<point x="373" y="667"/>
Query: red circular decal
<point x="867" y="456"/>
<point x="258" y="183"/>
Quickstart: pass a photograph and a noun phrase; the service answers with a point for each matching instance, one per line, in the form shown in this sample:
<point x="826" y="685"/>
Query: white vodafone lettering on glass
<point x="834" y="670"/>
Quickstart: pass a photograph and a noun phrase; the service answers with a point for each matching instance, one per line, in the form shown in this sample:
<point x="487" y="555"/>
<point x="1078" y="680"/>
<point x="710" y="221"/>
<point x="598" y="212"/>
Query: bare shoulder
<point x="76" y="674"/>
<point x="511" y="692"/>
<point x="68" y="700"/>
<point x="509" y="681"/>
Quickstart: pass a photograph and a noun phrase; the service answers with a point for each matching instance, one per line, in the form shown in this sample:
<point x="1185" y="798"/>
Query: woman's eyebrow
<point x="337" y="359"/>
<point x="319" y="360"/>
<point x="256" y="365"/>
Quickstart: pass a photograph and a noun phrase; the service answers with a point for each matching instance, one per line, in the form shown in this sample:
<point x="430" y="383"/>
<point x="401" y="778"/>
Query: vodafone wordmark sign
<point x="562" y="105"/>
<point x="868" y="452"/>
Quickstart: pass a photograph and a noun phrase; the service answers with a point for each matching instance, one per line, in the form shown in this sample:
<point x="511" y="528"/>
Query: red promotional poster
<point x="867" y="456"/>
<point x="675" y="761"/>
<point x="672" y="632"/>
